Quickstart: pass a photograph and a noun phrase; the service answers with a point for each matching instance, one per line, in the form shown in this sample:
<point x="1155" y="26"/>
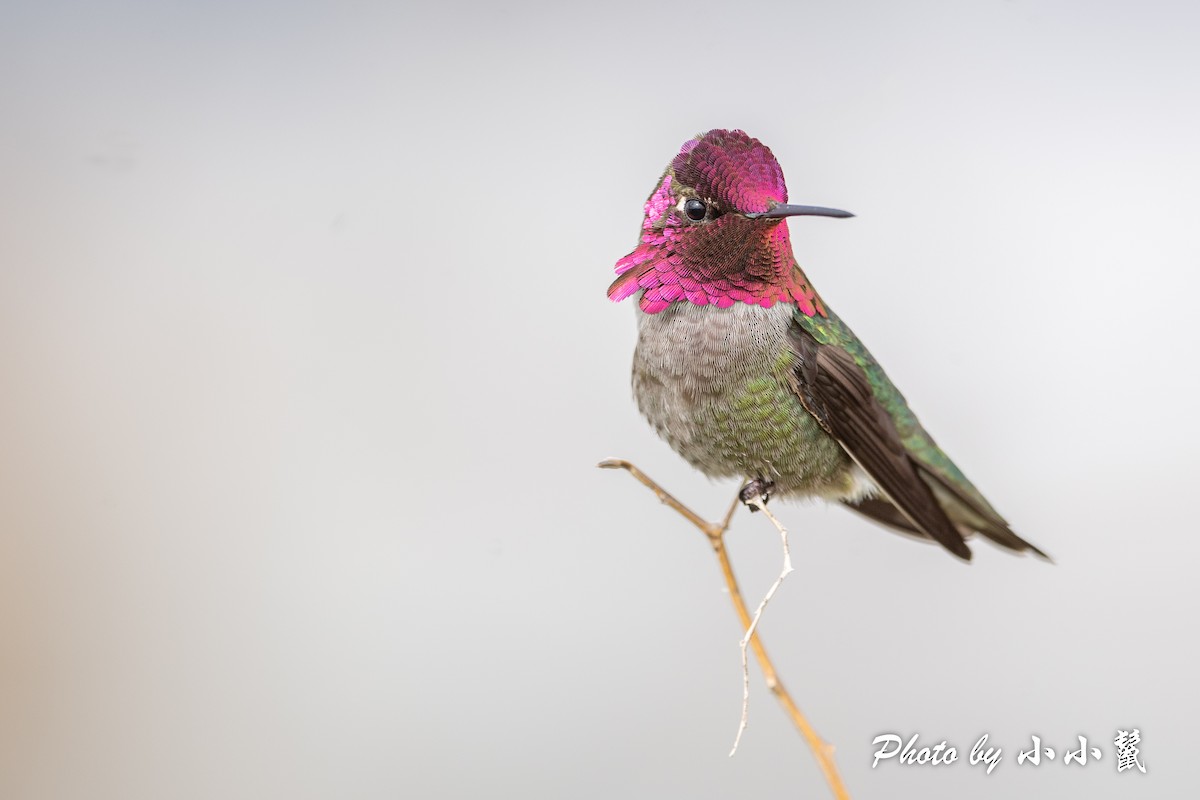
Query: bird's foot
<point x="759" y="487"/>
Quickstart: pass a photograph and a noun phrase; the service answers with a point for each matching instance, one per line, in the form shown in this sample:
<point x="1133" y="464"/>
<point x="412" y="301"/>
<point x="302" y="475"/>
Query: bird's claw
<point x="757" y="488"/>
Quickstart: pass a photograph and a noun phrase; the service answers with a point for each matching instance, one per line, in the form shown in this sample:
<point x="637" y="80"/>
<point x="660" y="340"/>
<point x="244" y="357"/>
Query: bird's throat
<point x="731" y="260"/>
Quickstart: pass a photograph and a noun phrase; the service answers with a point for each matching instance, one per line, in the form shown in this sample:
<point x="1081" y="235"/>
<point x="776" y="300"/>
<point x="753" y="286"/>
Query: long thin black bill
<point x="781" y="211"/>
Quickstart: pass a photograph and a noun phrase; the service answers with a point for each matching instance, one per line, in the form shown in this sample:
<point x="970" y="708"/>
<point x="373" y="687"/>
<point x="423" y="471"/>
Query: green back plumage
<point x="830" y="330"/>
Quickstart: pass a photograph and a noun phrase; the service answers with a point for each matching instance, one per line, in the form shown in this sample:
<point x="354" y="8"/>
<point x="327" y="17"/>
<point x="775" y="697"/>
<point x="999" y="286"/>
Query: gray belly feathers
<point x="713" y="382"/>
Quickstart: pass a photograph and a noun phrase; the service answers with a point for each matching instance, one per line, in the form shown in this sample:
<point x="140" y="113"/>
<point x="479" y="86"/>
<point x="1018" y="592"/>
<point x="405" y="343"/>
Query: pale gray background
<point x="306" y="363"/>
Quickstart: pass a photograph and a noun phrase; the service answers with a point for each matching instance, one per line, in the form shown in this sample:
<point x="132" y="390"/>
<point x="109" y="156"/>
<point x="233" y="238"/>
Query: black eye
<point x="695" y="209"/>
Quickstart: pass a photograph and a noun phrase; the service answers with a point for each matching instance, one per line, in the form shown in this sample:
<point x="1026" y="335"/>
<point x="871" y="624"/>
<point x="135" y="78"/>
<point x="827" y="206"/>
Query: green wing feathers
<point x="960" y="500"/>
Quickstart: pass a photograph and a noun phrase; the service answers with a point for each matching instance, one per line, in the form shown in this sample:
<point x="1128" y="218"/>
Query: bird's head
<point x="715" y="232"/>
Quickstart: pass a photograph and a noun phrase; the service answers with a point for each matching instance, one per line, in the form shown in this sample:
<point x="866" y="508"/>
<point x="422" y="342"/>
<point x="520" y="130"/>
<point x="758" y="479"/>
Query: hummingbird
<point x="746" y="372"/>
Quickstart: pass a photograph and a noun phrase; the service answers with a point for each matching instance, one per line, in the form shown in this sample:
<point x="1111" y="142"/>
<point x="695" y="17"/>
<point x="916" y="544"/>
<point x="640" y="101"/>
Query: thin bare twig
<point x="759" y="504"/>
<point x="715" y="532"/>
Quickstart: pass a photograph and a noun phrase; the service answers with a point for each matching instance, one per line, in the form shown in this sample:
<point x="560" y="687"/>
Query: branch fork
<point x="715" y="532"/>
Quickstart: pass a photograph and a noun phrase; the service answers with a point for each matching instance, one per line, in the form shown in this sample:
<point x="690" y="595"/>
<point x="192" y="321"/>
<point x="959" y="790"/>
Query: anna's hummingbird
<point x="742" y="368"/>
